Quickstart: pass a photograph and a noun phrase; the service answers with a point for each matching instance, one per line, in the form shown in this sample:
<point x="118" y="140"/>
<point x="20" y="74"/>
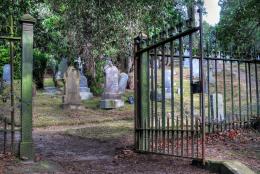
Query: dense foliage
<point x="239" y="25"/>
<point x="92" y="28"/>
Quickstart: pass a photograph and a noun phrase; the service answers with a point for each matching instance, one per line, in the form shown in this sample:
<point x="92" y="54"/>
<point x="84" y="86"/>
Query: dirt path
<point x="60" y="153"/>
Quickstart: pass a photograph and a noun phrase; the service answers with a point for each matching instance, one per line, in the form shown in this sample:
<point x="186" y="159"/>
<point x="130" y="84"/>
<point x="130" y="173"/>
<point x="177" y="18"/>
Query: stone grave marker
<point x="7" y="74"/>
<point x="217" y="116"/>
<point x="168" y="84"/>
<point x="85" y="93"/>
<point x="62" y="67"/>
<point x="71" y="98"/>
<point x="111" y="97"/>
<point x="123" y="82"/>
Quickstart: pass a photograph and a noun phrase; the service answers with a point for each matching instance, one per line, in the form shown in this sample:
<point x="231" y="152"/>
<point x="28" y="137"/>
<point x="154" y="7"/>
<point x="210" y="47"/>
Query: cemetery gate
<point x="184" y="93"/>
<point x="16" y="94"/>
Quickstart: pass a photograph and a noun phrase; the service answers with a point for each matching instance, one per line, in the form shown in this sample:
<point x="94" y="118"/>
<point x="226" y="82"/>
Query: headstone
<point x="123" y="82"/>
<point x="186" y="63"/>
<point x="111" y="97"/>
<point x="85" y="93"/>
<point x="211" y="77"/>
<point x="168" y="84"/>
<point x="50" y="90"/>
<point x="62" y="67"/>
<point x="217" y="116"/>
<point x="7" y="74"/>
<point x="71" y="98"/>
<point x="195" y="68"/>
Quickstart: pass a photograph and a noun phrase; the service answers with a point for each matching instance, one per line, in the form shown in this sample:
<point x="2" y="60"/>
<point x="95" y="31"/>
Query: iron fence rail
<point x="182" y="95"/>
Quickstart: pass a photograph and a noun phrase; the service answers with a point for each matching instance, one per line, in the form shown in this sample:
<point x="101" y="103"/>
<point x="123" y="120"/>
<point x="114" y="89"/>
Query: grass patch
<point x="107" y="130"/>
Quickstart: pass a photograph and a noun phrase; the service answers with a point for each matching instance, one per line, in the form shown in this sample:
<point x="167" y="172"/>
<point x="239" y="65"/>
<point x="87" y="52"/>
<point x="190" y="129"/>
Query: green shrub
<point x="39" y="65"/>
<point x="5" y="59"/>
<point x="96" y="83"/>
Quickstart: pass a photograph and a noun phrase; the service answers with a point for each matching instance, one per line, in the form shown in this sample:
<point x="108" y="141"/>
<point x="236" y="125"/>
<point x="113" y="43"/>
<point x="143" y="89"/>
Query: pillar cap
<point x="28" y="19"/>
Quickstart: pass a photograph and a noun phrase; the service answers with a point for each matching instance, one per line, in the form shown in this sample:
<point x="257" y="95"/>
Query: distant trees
<point x="239" y="25"/>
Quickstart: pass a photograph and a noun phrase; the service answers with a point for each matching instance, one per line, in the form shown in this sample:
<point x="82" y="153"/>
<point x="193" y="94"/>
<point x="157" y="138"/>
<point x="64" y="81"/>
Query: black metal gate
<point x="182" y="96"/>
<point x="9" y="112"/>
<point x="16" y="94"/>
<point x="169" y="114"/>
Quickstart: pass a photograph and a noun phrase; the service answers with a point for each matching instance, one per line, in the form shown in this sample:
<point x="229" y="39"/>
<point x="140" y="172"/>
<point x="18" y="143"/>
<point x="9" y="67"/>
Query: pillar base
<point x="26" y="151"/>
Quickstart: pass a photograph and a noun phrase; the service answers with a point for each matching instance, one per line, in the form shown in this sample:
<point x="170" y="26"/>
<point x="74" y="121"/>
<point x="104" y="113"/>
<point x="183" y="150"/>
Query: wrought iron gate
<point x="169" y="114"/>
<point x="182" y="96"/>
<point x="16" y="95"/>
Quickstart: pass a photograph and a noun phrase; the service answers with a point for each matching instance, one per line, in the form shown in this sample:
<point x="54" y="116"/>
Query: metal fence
<point x="16" y="94"/>
<point x="183" y="93"/>
<point x="10" y="95"/>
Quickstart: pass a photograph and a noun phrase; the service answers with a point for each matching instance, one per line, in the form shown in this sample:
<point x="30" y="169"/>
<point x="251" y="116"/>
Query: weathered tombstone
<point x="168" y="83"/>
<point x="71" y="98"/>
<point x="50" y="90"/>
<point x="217" y="115"/>
<point x="62" y="68"/>
<point x="186" y="63"/>
<point x="111" y="97"/>
<point x="85" y="93"/>
<point x="196" y="68"/>
<point x="211" y="77"/>
<point x="123" y="82"/>
<point x="7" y="74"/>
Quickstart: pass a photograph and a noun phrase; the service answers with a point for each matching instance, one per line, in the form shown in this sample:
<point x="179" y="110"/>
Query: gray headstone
<point x="123" y="82"/>
<point x="168" y="83"/>
<point x="72" y="96"/>
<point x="211" y="77"/>
<point x="7" y="74"/>
<point x="196" y="68"/>
<point x="62" y="68"/>
<point x="50" y="90"/>
<point x="217" y="116"/>
<point x="186" y="62"/>
<point x="85" y="93"/>
<point x="111" y="97"/>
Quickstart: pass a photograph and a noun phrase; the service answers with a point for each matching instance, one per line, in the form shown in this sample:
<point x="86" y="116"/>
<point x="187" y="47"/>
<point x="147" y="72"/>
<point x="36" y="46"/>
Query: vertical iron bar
<point x="257" y="92"/>
<point x="191" y="96"/>
<point x="239" y="94"/>
<point x="202" y="86"/>
<point x="250" y="91"/>
<point x="216" y="92"/>
<point x="163" y="96"/>
<point x="155" y="109"/>
<point x="247" y="103"/>
<point x="152" y="101"/>
<point x="148" y="128"/>
<point x="12" y="83"/>
<point x="209" y="113"/>
<point x="137" y="92"/>
<point x="224" y="87"/>
<point x="232" y="95"/>
<point x="181" y="89"/>
<point x="172" y="96"/>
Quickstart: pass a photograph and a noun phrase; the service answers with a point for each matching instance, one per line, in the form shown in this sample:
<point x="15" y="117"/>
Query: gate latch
<point x="196" y="87"/>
